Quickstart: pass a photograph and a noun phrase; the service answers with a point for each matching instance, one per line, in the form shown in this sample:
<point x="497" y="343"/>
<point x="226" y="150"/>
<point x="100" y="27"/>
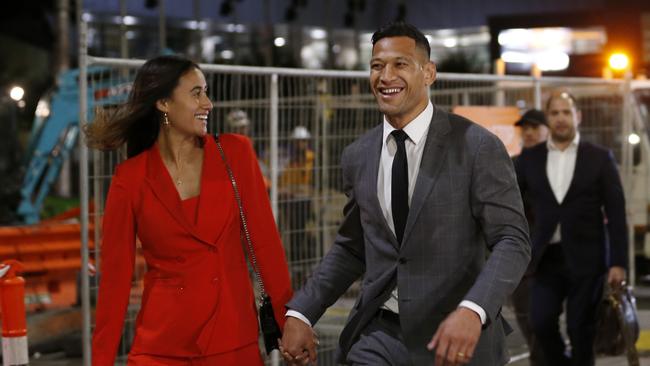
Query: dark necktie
<point x="400" y="185"/>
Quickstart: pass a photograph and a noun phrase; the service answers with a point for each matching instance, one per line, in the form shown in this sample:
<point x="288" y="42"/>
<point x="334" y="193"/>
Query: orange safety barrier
<point x="14" y="318"/>
<point x="51" y="256"/>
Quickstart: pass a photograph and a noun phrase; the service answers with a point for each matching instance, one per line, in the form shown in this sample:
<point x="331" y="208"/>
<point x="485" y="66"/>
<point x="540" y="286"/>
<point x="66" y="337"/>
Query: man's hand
<point x="456" y="338"/>
<point x="616" y="276"/>
<point x="299" y="341"/>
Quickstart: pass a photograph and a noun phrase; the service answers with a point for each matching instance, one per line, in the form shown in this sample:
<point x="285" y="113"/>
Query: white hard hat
<point x="300" y="133"/>
<point x="237" y="118"/>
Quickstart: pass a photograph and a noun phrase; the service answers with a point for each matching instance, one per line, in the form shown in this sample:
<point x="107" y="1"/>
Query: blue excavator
<point x="56" y="129"/>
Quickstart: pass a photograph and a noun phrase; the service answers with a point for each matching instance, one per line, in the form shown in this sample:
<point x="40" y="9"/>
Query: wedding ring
<point x="460" y="354"/>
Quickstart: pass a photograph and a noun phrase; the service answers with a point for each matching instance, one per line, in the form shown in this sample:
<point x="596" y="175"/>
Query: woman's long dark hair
<point x="137" y="123"/>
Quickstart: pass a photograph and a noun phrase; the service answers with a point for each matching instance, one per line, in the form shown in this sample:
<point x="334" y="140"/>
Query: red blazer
<point x="198" y="298"/>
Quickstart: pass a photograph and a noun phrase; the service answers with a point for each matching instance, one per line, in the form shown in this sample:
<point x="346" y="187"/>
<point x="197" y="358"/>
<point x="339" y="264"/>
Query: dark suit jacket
<point x="197" y="297"/>
<point x="592" y="214"/>
<point x="465" y="203"/>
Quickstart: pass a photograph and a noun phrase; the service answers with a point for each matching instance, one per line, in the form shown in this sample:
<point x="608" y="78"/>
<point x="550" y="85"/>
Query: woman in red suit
<point x="174" y="194"/>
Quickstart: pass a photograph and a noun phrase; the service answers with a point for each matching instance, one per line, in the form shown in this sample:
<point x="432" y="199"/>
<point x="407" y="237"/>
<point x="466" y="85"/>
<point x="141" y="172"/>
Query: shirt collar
<point x="551" y="146"/>
<point x="416" y="129"/>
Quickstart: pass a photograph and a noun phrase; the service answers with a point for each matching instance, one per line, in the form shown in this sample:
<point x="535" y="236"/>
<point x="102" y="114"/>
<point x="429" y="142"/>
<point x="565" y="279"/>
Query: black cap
<point x="533" y="117"/>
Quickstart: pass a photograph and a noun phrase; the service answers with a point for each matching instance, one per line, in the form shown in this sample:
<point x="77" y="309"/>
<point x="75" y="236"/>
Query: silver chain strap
<point x="251" y="252"/>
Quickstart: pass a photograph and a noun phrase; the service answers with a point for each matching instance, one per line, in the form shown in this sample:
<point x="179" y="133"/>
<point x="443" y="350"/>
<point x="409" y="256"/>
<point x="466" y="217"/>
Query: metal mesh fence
<point x="299" y="123"/>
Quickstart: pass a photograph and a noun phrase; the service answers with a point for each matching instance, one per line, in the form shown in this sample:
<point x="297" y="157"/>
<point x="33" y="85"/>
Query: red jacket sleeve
<point x="264" y="233"/>
<point x="117" y="263"/>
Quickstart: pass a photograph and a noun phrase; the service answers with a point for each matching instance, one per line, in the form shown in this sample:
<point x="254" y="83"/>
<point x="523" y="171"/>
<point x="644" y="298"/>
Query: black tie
<point x="400" y="185"/>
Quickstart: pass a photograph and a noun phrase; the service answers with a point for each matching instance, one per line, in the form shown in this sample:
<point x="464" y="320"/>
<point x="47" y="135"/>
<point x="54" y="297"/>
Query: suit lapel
<point x="217" y="202"/>
<point x="542" y="159"/>
<point x="162" y="186"/>
<point x="215" y="207"/>
<point x="577" y="171"/>
<point x="369" y="179"/>
<point x="433" y="158"/>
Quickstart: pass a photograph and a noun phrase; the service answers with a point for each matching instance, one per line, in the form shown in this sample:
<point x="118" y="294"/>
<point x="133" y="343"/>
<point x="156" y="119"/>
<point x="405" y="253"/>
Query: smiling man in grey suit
<point x="430" y="194"/>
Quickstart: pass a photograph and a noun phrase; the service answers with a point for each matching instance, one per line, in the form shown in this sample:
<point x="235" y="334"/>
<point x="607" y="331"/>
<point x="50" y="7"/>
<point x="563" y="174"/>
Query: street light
<point x="17" y="93"/>
<point x="279" y="42"/>
<point x="619" y="61"/>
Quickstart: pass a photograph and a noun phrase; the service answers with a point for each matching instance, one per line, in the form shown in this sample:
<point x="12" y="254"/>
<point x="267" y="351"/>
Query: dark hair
<point x="137" y="123"/>
<point x="402" y="29"/>
<point x="561" y="94"/>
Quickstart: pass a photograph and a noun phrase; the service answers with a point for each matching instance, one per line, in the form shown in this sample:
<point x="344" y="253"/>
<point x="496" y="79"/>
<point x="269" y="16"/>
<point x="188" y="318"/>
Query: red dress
<point x="198" y="298"/>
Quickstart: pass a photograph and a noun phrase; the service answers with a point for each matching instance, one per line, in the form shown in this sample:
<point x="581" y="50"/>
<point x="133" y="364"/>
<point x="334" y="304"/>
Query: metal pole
<point x="628" y="174"/>
<point x="499" y="94"/>
<point x="268" y="34"/>
<point x="537" y="85"/>
<point x="197" y="35"/>
<point x="536" y="73"/>
<point x="625" y="129"/>
<point x="323" y="191"/>
<point x="330" y="36"/>
<point x="275" y="355"/>
<point x="275" y="120"/>
<point x="64" y="182"/>
<point x="83" y="184"/>
<point x="317" y="183"/>
<point x="162" y="27"/>
<point x="124" y="43"/>
<point x="466" y="100"/>
<point x="63" y="44"/>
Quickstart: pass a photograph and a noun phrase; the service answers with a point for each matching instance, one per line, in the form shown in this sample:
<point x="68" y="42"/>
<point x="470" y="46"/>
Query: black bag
<point x="618" y="324"/>
<point x="270" y="328"/>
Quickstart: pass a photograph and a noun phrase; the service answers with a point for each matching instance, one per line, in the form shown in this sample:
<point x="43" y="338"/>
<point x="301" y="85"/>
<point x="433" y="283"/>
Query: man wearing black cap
<point x="534" y="128"/>
<point x="534" y="131"/>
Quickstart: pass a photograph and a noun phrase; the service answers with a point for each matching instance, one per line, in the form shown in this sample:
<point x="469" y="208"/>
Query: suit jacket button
<point x="180" y="259"/>
<point x="215" y="280"/>
<point x="212" y="249"/>
<point x="402" y="260"/>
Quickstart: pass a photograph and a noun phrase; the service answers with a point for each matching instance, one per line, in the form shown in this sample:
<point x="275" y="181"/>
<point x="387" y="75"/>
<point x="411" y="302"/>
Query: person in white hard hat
<point x="238" y="122"/>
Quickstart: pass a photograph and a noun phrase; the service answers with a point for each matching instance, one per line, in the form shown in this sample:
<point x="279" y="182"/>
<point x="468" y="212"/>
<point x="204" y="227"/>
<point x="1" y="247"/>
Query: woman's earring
<point x="165" y="120"/>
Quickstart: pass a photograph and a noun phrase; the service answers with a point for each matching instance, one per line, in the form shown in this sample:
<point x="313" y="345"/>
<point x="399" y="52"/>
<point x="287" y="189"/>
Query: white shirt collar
<point x="416" y="129"/>
<point x="551" y="145"/>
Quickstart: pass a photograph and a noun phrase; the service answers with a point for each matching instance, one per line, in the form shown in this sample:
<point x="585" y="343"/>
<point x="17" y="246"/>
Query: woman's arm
<point x="117" y="262"/>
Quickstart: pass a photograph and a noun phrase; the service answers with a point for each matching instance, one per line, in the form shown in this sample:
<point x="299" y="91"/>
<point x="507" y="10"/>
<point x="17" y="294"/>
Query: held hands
<point x="298" y="344"/>
<point x="456" y="338"/>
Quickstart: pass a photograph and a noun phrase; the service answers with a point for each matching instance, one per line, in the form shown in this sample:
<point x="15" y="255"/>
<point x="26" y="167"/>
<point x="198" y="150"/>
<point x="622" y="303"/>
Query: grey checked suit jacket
<point x="466" y="238"/>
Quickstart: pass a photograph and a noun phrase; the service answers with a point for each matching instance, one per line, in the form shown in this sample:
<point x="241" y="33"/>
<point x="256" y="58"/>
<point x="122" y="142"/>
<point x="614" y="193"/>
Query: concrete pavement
<point x="331" y="324"/>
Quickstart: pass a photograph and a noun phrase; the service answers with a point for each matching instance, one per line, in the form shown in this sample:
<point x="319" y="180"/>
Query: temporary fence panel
<point x="299" y="122"/>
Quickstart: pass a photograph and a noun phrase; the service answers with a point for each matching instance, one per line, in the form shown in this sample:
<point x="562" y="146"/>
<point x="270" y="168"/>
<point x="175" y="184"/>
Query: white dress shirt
<point x="417" y="131"/>
<point x="560" y="165"/>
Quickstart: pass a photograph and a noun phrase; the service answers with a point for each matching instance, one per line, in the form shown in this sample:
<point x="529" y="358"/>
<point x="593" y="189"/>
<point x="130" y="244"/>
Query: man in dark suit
<point x="579" y="235"/>
<point x="429" y="194"/>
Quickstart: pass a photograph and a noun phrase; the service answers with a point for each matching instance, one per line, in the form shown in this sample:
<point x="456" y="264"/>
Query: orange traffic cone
<point x="14" y="319"/>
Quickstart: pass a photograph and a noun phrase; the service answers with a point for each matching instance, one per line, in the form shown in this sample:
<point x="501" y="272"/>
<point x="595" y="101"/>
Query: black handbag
<point x="270" y="328"/>
<point x="618" y="324"/>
